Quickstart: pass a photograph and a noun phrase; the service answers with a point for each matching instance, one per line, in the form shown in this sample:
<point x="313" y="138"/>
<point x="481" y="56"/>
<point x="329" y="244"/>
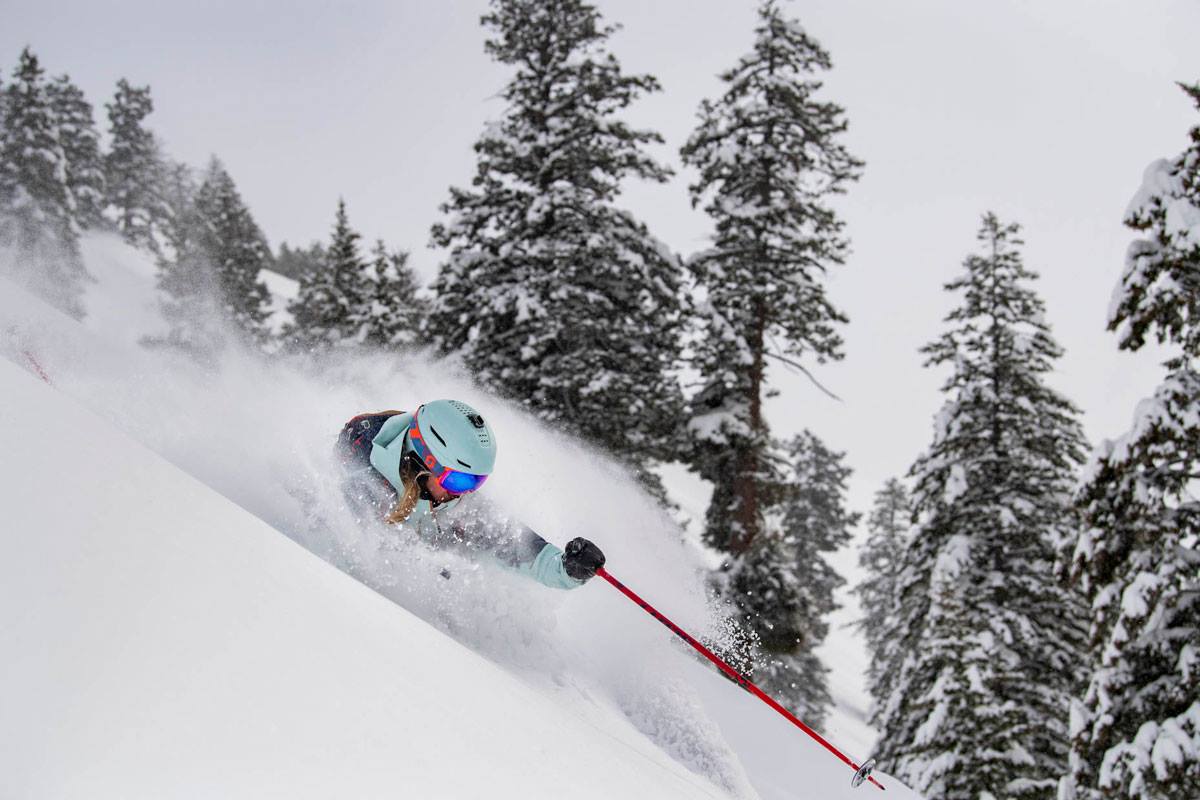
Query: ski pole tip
<point x="863" y="774"/>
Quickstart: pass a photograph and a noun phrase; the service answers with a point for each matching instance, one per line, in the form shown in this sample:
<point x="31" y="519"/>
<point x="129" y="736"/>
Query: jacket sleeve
<point x="517" y="547"/>
<point x="546" y="567"/>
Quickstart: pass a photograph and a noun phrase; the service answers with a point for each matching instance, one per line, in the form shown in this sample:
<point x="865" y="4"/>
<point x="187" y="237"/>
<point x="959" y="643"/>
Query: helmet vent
<point x="438" y="435"/>
<point x="465" y="464"/>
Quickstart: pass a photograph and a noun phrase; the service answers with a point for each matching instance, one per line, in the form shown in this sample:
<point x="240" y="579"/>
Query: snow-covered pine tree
<point x="881" y="558"/>
<point x="133" y="168"/>
<point x="769" y="158"/>
<point x="212" y="281"/>
<point x="178" y="191"/>
<point x="991" y="642"/>
<point x="37" y="207"/>
<point x="237" y="250"/>
<point x="552" y="295"/>
<point x="392" y="317"/>
<point x="334" y="301"/>
<point x="784" y="586"/>
<point x="296" y="262"/>
<point x="81" y="147"/>
<point x="1136" y="726"/>
<point x="186" y="277"/>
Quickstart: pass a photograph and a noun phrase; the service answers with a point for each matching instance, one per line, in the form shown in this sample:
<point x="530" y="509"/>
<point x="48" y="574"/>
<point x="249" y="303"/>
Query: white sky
<point x="1046" y="112"/>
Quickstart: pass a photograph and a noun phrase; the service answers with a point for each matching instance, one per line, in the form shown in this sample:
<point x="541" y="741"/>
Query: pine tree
<point x="133" y="168"/>
<point x="391" y="318"/>
<point x="81" y="148"/>
<point x="213" y="280"/>
<point x="333" y="302"/>
<point x="881" y="558"/>
<point x="551" y="295"/>
<point x="178" y="191"/>
<point x="769" y="159"/>
<point x="784" y="586"/>
<point x="186" y="276"/>
<point x="238" y="251"/>
<point x="296" y="262"/>
<point x="1136" y="726"/>
<point x="37" y="207"/>
<point x="991" y="642"/>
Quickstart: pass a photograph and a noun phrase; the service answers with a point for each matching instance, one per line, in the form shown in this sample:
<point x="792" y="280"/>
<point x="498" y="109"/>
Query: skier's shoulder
<point x="369" y="419"/>
<point x="359" y="434"/>
<point x="369" y="425"/>
<point x="393" y="424"/>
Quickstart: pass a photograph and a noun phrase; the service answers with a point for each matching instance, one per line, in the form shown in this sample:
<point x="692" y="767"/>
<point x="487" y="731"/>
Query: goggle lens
<point x="460" y="482"/>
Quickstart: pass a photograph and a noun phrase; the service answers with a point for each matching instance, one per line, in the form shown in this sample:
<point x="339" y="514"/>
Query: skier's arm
<point x="523" y="550"/>
<point x="557" y="568"/>
<point x="541" y="561"/>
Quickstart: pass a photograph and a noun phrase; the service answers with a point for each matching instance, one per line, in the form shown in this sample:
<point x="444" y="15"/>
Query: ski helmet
<point x="450" y="436"/>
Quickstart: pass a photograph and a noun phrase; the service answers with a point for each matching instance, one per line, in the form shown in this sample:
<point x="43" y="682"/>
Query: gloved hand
<point x="581" y="559"/>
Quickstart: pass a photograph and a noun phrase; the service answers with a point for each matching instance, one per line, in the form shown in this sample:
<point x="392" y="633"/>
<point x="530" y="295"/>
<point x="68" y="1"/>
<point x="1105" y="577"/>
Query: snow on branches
<point x="551" y="294"/>
<point x="1136" y="726"/>
<point x="988" y="642"/>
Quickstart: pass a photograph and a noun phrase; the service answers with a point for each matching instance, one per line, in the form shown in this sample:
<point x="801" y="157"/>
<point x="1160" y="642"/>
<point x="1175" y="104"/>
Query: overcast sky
<point x="1046" y="112"/>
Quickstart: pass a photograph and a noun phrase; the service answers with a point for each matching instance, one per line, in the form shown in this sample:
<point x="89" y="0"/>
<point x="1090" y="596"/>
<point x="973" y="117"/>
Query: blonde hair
<point x="407" y="500"/>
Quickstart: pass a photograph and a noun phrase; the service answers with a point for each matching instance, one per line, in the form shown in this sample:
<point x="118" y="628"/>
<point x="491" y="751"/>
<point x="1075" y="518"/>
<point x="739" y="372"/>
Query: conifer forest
<point x="1025" y="587"/>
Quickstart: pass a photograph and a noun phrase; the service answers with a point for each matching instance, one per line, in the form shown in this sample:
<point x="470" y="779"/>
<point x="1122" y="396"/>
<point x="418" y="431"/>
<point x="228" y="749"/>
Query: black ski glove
<point x="581" y="559"/>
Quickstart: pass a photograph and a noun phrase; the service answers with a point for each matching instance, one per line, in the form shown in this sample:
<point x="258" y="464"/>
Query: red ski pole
<point x="861" y="772"/>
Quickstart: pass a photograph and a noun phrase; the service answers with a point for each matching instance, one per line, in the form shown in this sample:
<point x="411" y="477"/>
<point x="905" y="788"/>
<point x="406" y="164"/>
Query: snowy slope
<point x="202" y="608"/>
<point x="160" y="641"/>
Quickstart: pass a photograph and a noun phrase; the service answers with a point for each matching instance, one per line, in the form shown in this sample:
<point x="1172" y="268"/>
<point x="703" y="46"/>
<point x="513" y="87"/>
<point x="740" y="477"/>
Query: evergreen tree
<point x="237" y="249"/>
<point x="391" y="318"/>
<point x="784" y="586"/>
<point x="178" y="191"/>
<point x="1136" y="726"/>
<point x="296" y="262"/>
<point x="81" y="148"/>
<point x="333" y="302"/>
<point x="133" y="167"/>
<point x="213" y="280"/>
<point x="991" y="641"/>
<point x="881" y="558"/>
<point x="186" y="276"/>
<point x="551" y="295"/>
<point x="37" y="207"/>
<point x="769" y="159"/>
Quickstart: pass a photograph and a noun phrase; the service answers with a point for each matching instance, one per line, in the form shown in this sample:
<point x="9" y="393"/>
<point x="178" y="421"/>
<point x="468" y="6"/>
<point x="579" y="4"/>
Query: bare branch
<point x="809" y="375"/>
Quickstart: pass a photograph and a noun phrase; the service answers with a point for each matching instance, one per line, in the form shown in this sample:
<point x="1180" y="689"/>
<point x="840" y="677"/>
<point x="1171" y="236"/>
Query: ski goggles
<point x="452" y="480"/>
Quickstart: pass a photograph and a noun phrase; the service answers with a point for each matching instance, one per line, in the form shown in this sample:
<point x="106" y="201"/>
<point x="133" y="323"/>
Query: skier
<point x="419" y="469"/>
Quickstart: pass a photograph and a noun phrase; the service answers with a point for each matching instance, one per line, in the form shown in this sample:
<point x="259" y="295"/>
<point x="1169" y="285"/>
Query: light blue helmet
<point x="457" y="436"/>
